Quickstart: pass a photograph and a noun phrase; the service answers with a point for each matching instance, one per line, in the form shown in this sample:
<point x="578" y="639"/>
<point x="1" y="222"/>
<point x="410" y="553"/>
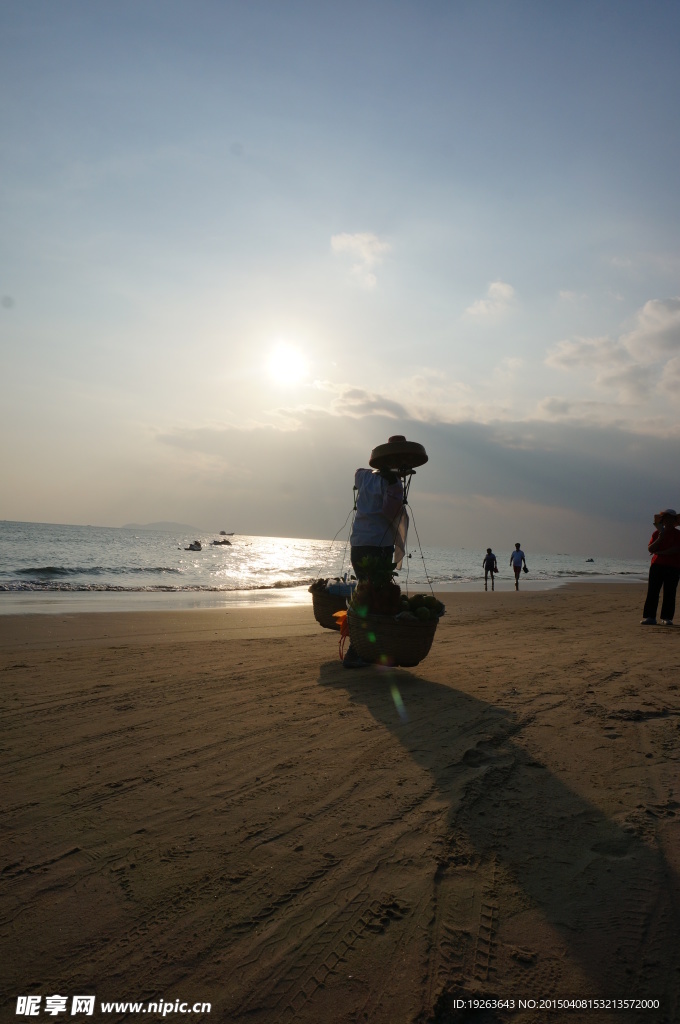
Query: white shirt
<point x="381" y="519"/>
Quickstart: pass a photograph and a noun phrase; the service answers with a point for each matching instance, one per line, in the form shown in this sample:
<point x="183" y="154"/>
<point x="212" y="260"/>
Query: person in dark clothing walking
<point x="490" y="566"/>
<point x="664" y="572"/>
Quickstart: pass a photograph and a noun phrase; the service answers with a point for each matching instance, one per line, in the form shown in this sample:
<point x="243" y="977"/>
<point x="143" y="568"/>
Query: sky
<point x="242" y="244"/>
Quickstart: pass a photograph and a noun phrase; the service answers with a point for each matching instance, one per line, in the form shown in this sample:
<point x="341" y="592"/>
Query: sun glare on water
<point x="287" y="365"/>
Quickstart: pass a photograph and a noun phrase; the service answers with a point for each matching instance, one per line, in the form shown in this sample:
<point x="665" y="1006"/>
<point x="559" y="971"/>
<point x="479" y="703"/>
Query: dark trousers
<point x="665" y="576"/>
<point x="356" y="556"/>
<point x="369" y="551"/>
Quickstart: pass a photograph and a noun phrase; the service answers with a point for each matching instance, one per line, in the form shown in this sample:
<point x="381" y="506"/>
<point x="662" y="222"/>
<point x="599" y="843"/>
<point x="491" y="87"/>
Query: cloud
<point x="434" y="394"/>
<point x="657" y="333"/>
<point x="611" y="362"/>
<point x="634" y="383"/>
<point x="608" y="477"/>
<point x="586" y="412"/>
<point x="505" y="372"/>
<point x="431" y="395"/>
<point x="367" y="250"/>
<point x="572" y="353"/>
<point x="659" y="262"/>
<point x="500" y="297"/>
<point x="636" y="364"/>
<point x="358" y="403"/>
<point x="670" y="378"/>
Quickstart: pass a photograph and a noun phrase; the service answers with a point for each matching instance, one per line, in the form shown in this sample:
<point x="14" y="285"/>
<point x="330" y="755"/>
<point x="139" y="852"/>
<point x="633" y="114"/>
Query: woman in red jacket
<point x="664" y="572"/>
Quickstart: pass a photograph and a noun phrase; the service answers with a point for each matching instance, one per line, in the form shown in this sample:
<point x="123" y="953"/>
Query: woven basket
<point x="324" y="605"/>
<point x="387" y="641"/>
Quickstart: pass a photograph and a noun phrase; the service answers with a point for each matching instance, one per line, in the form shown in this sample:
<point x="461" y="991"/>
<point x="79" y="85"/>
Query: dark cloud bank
<point x="297" y="482"/>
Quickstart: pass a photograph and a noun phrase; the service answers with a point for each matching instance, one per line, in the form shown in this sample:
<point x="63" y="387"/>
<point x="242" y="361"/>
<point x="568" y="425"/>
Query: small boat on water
<point x="195" y="546"/>
<point x="218" y="542"/>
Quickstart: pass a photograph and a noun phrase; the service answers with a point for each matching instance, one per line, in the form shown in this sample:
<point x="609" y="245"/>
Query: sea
<point x="52" y="567"/>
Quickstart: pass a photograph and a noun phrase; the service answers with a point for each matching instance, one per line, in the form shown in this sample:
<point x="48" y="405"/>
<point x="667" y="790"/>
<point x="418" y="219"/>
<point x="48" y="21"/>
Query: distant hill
<point x="167" y="527"/>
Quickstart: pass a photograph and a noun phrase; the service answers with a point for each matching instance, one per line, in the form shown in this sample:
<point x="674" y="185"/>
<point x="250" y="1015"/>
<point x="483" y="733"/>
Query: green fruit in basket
<point x="431" y="602"/>
<point x="417" y="601"/>
<point x="423" y="613"/>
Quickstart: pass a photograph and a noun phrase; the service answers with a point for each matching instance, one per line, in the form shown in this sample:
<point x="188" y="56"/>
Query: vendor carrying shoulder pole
<point x="380" y="526"/>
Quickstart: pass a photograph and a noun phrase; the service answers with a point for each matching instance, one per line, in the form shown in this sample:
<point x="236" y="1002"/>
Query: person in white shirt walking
<point x="517" y="560"/>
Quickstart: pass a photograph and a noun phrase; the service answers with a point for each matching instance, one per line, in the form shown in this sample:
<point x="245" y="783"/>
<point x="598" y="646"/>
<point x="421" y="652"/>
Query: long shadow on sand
<point x="609" y="893"/>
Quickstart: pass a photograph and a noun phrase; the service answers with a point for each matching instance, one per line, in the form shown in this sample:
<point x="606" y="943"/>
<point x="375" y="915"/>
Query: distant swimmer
<point x="490" y="566"/>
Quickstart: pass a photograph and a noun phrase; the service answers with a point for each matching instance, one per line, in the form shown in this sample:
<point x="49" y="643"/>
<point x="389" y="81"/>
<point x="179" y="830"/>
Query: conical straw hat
<point x="398" y="454"/>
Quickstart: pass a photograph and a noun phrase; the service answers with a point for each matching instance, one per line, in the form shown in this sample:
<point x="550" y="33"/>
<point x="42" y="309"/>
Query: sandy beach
<point x="205" y="807"/>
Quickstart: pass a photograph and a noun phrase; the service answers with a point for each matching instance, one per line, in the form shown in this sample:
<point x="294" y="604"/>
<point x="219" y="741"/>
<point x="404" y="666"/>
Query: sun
<point x="287" y="365"/>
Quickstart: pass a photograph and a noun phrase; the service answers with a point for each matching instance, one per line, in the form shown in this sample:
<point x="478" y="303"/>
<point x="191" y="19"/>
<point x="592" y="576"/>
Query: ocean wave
<point x="93" y="570"/>
<point x="283" y="584"/>
<point x="448" y="578"/>
<point x="592" y="572"/>
<point x="537" y="574"/>
<point x="34" y="586"/>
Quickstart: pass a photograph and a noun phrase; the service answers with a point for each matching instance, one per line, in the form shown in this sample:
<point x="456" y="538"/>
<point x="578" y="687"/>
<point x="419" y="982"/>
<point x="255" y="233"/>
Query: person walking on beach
<point x="664" y="571"/>
<point x="517" y="560"/>
<point x="490" y="566"/>
<point x="379" y="529"/>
